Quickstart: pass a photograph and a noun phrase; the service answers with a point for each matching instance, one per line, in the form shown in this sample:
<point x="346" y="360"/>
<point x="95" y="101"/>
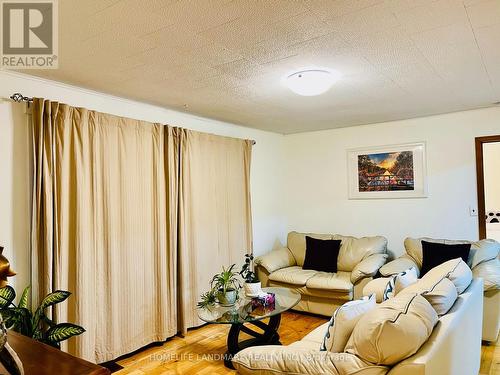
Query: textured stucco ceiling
<point x="225" y="59"/>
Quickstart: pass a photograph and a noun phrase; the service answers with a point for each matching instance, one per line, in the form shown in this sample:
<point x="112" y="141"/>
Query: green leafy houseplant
<point x="253" y="287"/>
<point x="225" y="285"/>
<point x="247" y="272"/>
<point x="36" y="324"/>
<point x="208" y="299"/>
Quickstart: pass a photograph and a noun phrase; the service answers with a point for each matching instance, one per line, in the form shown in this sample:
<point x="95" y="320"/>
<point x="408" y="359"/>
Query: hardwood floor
<point x="199" y="352"/>
<point x="490" y="359"/>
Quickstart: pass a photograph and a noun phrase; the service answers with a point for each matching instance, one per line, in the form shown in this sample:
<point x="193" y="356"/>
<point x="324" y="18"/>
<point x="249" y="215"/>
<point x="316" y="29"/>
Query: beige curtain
<point x="214" y="213"/>
<point x="126" y="216"/>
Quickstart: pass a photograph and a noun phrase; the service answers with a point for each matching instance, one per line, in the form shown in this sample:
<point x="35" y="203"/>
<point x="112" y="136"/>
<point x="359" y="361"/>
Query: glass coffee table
<point x="246" y="312"/>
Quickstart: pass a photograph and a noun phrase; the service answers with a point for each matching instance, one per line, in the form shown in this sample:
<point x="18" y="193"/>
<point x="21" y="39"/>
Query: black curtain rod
<point x="18" y="97"/>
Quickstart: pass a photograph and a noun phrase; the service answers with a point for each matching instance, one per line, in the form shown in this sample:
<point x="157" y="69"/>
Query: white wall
<point x="316" y="179"/>
<point x="267" y="162"/>
<point x="15" y="190"/>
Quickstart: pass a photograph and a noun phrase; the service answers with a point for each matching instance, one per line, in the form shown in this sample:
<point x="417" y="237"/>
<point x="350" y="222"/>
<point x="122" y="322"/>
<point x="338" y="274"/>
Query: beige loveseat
<point x="322" y="292"/>
<point x="484" y="262"/>
<point x="451" y="347"/>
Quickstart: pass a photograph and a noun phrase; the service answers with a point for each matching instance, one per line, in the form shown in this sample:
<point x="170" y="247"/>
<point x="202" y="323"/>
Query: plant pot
<point x="229" y="298"/>
<point x="253" y="289"/>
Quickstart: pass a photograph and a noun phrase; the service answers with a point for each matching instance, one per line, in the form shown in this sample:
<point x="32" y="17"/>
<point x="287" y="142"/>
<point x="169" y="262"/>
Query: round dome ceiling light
<point x="311" y="82"/>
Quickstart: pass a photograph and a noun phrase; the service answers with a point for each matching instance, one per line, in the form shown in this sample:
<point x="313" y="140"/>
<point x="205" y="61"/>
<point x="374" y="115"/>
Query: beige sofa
<point x="484" y="262"/>
<point x="359" y="260"/>
<point x="453" y="347"/>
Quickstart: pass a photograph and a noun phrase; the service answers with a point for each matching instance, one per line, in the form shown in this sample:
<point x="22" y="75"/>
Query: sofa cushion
<point x="343" y="321"/>
<point x="377" y="287"/>
<point x="405" y="279"/>
<point x="331" y="299"/>
<point x="353" y="250"/>
<point x="456" y="270"/>
<point x="304" y="344"/>
<point x="340" y="281"/>
<point x="321" y="255"/>
<point x="316" y="336"/>
<point x="298" y="359"/>
<point x="434" y="254"/>
<point x="481" y="251"/>
<point x="400" y="281"/>
<point x="294" y="275"/>
<point x="441" y="294"/>
<point x="296" y="242"/>
<point x="393" y="331"/>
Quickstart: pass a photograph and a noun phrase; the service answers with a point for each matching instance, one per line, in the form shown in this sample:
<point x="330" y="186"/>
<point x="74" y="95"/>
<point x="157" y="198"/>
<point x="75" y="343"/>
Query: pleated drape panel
<point x="214" y="211"/>
<point x="122" y="210"/>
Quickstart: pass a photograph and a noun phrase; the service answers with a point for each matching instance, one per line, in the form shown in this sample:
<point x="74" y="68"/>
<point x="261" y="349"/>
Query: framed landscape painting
<point x="397" y="171"/>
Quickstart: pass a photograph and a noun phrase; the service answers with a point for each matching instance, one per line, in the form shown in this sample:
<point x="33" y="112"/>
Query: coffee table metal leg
<point x="269" y="336"/>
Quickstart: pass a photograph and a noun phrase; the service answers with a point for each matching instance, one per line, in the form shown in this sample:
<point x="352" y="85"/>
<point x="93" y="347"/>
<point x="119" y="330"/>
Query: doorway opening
<point x="488" y="186"/>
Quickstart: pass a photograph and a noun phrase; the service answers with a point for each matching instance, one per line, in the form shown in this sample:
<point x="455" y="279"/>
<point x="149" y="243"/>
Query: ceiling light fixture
<point x="311" y="82"/>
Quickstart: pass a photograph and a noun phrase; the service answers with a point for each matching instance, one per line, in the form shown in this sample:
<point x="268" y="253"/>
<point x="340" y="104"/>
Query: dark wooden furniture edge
<point x="41" y="359"/>
<point x="481" y="209"/>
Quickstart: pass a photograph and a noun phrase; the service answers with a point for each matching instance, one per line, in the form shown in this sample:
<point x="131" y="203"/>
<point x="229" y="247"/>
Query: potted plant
<point x="208" y="300"/>
<point x="252" y="284"/>
<point x="225" y="285"/>
<point x="35" y="323"/>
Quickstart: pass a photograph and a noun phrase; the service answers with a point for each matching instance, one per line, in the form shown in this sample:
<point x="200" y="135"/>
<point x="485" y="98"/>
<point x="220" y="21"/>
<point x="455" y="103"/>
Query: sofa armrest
<point x="399" y="265"/>
<point x="489" y="271"/>
<point x="262" y="275"/>
<point x="368" y="267"/>
<point x="359" y="286"/>
<point x="274" y="359"/>
<point x="276" y="259"/>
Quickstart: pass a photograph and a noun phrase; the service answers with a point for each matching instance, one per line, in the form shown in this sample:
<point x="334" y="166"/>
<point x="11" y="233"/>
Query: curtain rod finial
<point x="18" y="97"/>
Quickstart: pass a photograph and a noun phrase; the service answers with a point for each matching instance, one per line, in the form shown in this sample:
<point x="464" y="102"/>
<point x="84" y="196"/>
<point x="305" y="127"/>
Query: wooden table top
<point x="42" y="359"/>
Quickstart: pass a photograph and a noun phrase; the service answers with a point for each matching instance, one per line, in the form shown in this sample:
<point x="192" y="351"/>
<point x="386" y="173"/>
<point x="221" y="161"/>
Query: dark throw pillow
<point x="434" y="254"/>
<point x="321" y="255"/>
